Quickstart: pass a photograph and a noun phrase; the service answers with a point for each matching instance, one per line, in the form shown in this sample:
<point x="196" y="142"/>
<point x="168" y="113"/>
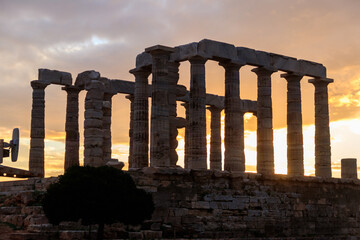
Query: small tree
<point x="102" y="195"/>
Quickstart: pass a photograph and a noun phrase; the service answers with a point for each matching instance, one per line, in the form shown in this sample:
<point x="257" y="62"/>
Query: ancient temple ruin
<point x="163" y="63"/>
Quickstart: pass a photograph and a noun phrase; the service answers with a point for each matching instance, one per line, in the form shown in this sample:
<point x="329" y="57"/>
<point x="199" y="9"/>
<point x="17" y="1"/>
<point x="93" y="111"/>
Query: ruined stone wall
<point x="214" y="204"/>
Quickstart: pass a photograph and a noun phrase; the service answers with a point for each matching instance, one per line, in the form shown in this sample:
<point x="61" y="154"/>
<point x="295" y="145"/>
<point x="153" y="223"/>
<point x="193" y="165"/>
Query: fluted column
<point x="107" y="112"/>
<point x="197" y="115"/>
<point x="322" y="128"/>
<point x="265" y="144"/>
<point x="140" y="142"/>
<point x="72" y="127"/>
<point x="173" y="76"/>
<point x="186" y="137"/>
<point x="93" y="125"/>
<point x="37" y="134"/>
<point x="215" y="138"/>
<point x="295" y="148"/>
<point x="234" y="121"/>
<point x="131" y="131"/>
<point x="160" y="126"/>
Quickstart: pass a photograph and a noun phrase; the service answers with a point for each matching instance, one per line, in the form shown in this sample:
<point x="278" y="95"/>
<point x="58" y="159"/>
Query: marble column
<point x="140" y="142"/>
<point x="215" y="138"/>
<point x="295" y="148"/>
<point x="265" y="144"/>
<point x="160" y="108"/>
<point x="186" y="137"/>
<point x="349" y="168"/>
<point x="131" y="131"/>
<point x="107" y="112"/>
<point x="72" y="127"/>
<point x="37" y="133"/>
<point x="93" y="125"/>
<point x="173" y="76"/>
<point x="197" y="115"/>
<point x="322" y="128"/>
<point x="234" y="120"/>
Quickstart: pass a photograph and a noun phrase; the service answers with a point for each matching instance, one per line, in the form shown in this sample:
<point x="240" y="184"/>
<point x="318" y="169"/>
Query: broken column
<point x="93" y="125"/>
<point x="322" y="129"/>
<point x="140" y="155"/>
<point x="72" y="127"/>
<point x="37" y="133"/>
<point x="234" y="121"/>
<point x="186" y="137"/>
<point x="265" y="144"/>
<point x="197" y="115"/>
<point x="348" y="168"/>
<point x="131" y="129"/>
<point x="160" y="126"/>
<point x="295" y="149"/>
<point x="215" y="138"/>
<point x="107" y="109"/>
<point x="173" y="78"/>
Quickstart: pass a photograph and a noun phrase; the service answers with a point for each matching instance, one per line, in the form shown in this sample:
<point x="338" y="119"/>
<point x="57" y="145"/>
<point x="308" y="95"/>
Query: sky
<point x="106" y="36"/>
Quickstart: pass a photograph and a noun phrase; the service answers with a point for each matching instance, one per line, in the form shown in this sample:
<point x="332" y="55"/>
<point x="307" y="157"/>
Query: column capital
<point x="36" y="84"/>
<point x="264" y="71"/>
<point x="214" y="109"/>
<point x="141" y="72"/>
<point x="292" y="76"/>
<point x="232" y="64"/>
<point x="185" y="104"/>
<point x="197" y="60"/>
<point x="321" y="81"/>
<point x="71" y="89"/>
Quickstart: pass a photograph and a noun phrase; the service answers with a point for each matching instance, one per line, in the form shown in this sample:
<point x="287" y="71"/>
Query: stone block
<point x="312" y="69"/>
<point x="93" y="114"/>
<point x="71" y="234"/>
<point x="55" y="77"/>
<point x="247" y="55"/>
<point x="184" y="52"/>
<point x="84" y="79"/>
<point x="143" y="60"/>
<point x="148" y="234"/>
<point x="217" y="50"/>
<point x="93" y="123"/>
<point x="263" y="58"/>
<point x="136" y="235"/>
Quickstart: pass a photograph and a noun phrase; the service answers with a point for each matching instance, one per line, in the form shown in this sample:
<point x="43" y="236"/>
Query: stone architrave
<point x="265" y="144"/>
<point x="72" y="127"/>
<point x="322" y="129"/>
<point x="349" y="168"/>
<point x="160" y="108"/>
<point x="140" y="134"/>
<point x="131" y="132"/>
<point x="107" y="106"/>
<point x="234" y="119"/>
<point x="93" y="125"/>
<point x="186" y="137"/>
<point x="37" y="134"/>
<point x="295" y="148"/>
<point x="215" y="138"/>
<point x="173" y="78"/>
<point x="197" y="155"/>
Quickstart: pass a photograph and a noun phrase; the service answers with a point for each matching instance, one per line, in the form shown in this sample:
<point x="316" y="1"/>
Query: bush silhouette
<point x="102" y="195"/>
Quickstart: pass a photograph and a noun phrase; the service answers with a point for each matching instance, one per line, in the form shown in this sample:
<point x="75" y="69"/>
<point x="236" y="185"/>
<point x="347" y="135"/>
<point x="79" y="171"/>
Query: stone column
<point x="186" y="137"/>
<point x="295" y="149"/>
<point x="173" y="76"/>
<point x="140" y="154"/>
<point x="265" y="144"/>
<point x="348" y="168"/>
<point x="131" y="131"/>
<point x="37" y="134"/>
<point x="234" y="120"/>
<point x="197" y="115"/>
<point x="215" y="139"/>
<point x="160" y="126"/>
<point x="322" y="128"/>
<point x="107" y="111"/>
<point x="72" y="127"/>
<point x="93" y="125"/>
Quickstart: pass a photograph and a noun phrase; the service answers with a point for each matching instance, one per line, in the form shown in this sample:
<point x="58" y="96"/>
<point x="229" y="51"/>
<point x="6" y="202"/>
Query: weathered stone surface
<point x="349" y="168"/>
<point x="84" y="79"/>
<point x="55" y="77"/>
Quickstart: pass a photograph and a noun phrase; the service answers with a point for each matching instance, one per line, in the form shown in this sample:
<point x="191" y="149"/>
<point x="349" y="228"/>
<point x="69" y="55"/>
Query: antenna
<point x="13" y="147"/>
